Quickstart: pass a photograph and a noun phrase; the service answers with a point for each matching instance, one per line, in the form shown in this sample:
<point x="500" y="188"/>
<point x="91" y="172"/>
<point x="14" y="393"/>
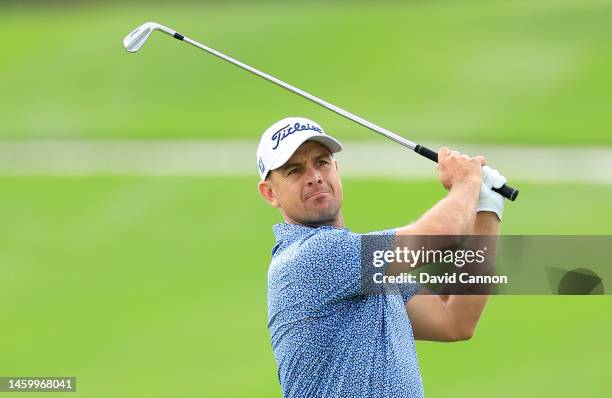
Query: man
<point x="328" y="339"/>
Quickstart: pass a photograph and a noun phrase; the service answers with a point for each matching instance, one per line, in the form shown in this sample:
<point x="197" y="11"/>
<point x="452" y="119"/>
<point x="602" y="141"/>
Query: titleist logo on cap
<point x="287" y="130"/>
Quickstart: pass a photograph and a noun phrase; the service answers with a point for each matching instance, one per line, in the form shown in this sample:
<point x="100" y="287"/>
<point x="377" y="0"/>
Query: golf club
<point x="136" y="39"/>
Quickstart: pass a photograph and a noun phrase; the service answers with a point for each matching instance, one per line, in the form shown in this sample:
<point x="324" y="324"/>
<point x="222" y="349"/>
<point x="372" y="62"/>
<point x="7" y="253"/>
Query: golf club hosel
<point x="138" y="37"/>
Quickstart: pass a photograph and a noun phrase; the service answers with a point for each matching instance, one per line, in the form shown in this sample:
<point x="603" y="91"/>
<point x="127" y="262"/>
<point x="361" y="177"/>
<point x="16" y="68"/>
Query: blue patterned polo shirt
<point x="328" y="340"/>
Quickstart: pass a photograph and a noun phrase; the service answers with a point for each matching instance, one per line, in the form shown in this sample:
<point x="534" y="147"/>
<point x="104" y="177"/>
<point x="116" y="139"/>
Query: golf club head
<point x="137" y="38"/>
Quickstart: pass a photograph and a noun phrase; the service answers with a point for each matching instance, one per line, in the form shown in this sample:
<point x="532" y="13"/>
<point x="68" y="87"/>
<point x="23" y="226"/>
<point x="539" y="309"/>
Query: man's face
<point x="307" y="188"/>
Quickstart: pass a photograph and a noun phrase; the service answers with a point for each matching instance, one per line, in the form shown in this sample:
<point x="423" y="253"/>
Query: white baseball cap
<point x="283" y="138"/>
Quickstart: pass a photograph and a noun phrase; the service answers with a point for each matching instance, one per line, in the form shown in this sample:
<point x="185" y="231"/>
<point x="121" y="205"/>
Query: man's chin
<point x="322" y="217"/>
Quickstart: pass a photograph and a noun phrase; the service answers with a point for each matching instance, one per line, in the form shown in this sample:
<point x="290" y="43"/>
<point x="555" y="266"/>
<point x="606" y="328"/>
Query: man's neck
<point x="338" y="222"/>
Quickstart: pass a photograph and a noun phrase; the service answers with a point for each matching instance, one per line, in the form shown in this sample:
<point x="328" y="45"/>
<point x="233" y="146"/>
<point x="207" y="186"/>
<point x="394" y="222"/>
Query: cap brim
<point x="326" y="140"/>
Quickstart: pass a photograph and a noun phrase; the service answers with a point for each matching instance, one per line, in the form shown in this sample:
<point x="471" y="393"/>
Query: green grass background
<point x="157" y="286"/>
<point x="521" y="72"/>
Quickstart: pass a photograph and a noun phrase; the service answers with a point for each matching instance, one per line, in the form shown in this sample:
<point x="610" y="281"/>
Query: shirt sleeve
<point x="407" y="290"/>
<point x="384" y="241"/>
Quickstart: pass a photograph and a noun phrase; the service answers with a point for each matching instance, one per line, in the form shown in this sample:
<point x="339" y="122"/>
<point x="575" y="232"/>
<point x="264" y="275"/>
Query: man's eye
<point x="293" y="171"/>
<point x="323" y="162"/>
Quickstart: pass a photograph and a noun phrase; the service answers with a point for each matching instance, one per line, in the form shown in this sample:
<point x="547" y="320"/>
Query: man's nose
<point x="313" y="176"/>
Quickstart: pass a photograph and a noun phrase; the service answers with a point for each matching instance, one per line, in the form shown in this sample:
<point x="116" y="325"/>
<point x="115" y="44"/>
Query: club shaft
<point x="389" y="134"/>
<point x="506" y="190"/>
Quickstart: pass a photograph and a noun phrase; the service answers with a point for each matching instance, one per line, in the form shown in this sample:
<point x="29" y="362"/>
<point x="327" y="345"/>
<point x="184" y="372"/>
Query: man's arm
<point x="454" y="317"/>
<point x="455" y="214"/>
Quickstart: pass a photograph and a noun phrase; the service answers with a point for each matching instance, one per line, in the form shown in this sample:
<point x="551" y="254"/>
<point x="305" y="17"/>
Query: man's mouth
<point x="316" y="194"/>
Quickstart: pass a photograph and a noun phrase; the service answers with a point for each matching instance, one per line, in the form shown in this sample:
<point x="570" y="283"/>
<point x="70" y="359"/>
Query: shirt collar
<point x="285" y="231"/>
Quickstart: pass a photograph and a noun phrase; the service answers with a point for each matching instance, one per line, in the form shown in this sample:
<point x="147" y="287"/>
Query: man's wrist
<point x="490" y="201"/>
<point x="468" y="185"/>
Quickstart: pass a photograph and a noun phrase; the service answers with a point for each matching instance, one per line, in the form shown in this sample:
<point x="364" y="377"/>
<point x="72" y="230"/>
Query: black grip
<point x="506" y="191"/>
<point x="428" y="153"/>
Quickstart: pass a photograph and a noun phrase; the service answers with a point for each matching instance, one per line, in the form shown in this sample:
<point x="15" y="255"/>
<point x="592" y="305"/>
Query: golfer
<point x="328" y="339"/>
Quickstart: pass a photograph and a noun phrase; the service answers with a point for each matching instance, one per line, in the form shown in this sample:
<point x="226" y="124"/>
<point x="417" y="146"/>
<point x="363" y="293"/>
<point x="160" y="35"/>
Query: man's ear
<point x="337" y="166"/>
<point x="267" y="192"/>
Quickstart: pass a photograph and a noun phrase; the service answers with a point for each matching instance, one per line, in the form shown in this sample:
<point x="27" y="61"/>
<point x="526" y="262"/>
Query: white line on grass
<point x="375" y="159"/>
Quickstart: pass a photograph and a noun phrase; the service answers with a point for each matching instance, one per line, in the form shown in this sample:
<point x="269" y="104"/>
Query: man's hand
<point x="455" y="169"/>
<point x="490" y="200"/>
<point x="455" y="214"/>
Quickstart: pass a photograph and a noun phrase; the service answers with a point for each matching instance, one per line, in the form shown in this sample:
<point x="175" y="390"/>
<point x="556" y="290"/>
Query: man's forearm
<point x="466" y="309"/>
<point x="453" y="215"/>
<point x="486" y="223"/>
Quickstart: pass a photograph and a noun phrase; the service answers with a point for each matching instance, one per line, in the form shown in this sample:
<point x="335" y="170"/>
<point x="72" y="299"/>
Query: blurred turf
<point x="499" y="72"/>
<point x="157" y="287"/>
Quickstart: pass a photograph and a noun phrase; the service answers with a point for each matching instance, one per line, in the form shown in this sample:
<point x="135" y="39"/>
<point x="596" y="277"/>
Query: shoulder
<point x="329" y="237"/>
<point x="327" y="241"/>
<point x="332" y="242"/>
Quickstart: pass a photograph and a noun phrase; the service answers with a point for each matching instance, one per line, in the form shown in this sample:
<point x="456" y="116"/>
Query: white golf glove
<point x="490" y="200"/>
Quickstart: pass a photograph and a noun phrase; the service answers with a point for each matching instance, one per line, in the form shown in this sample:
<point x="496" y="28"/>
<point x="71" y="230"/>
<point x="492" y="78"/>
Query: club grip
<point x="506" y="191"/>
<point x="428" y="153"/>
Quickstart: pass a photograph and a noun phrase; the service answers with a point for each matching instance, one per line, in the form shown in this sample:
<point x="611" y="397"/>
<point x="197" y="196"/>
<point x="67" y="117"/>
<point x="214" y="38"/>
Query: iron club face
<point x="137" y="38"/>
